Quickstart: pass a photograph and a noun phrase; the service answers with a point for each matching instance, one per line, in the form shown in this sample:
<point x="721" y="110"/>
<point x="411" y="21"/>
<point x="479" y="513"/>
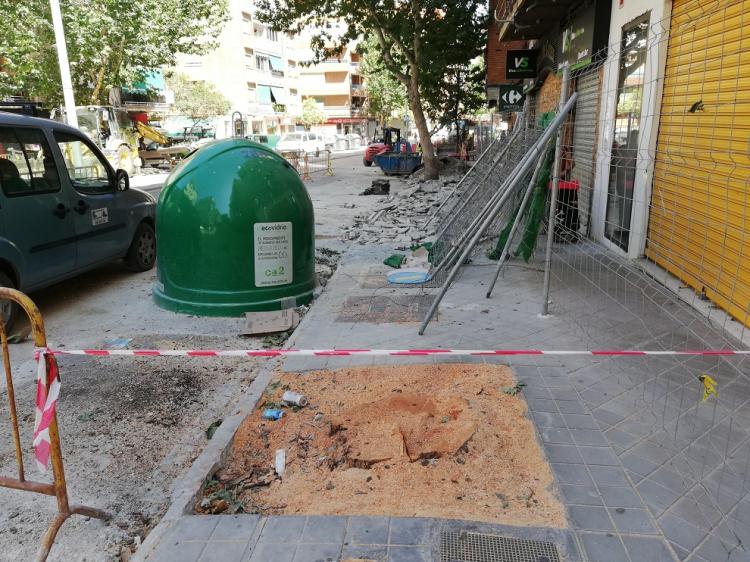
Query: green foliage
<point x="110" y="43"/>
<point x="513" y="390"/>
<point x="385" y="94"/>
<point x="196" y="99"/>
<point x="458" y="95"/>
<point x="312" y="114"/>
<point x="418" y="39"/>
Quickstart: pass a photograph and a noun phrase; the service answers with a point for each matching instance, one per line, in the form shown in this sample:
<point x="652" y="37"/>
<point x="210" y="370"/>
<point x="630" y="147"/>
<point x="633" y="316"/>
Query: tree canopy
<point x="196" y="99"/>
<point x="110" y="43"/>
<point x="418" y="39"/>
<point x="312" y="114"/>
<point x="385" y="94"/>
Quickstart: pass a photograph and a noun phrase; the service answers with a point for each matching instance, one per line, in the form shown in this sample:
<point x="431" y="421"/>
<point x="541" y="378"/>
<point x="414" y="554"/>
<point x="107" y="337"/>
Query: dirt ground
<point x="447" y="440"/>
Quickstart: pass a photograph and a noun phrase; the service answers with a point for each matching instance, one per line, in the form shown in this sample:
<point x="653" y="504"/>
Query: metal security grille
<point x="476" y="547"/>
<point x="585" y="132"/>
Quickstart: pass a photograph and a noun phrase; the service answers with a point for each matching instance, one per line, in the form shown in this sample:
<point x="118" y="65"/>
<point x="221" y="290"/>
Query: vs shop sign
<point x="521" y="63"/>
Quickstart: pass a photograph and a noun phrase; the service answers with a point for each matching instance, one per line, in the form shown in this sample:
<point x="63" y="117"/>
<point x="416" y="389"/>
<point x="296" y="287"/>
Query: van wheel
<point x="8" y="309"/>
<point x="142" y="252"/>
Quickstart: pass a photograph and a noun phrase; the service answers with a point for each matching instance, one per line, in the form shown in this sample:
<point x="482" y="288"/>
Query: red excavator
<point x="381" y="145"/>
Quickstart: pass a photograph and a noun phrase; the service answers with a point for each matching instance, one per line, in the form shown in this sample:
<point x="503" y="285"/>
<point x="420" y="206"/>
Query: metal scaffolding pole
<point x="62" y="57"/>
<point x="517" y="221"/>
<point x="552" y="219"/>
<point x="517" y="174"/>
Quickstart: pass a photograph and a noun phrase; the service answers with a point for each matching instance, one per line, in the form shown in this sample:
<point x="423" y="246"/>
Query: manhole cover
<point x="383" y="308"/>
<point x="476" y="547"/>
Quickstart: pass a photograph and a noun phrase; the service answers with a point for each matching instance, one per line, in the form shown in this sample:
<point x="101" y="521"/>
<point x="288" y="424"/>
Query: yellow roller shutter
<point x="699" y="222"/>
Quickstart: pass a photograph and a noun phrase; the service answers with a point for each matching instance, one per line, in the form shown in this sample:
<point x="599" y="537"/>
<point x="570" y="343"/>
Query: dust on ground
<point x="129" y="427"/>
<point x="448" y="440"/>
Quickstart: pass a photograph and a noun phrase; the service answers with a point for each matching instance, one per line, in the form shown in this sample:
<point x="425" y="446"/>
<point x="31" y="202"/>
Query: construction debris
<point x="379" y="187"/>
<point x="399" y="216"/>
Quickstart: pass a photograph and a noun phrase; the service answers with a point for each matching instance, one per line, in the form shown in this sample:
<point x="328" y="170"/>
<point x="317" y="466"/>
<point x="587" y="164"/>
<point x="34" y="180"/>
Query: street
<point x="129" y="427"/>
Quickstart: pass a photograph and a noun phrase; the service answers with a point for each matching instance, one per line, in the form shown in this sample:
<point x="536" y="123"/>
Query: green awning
<point x="276" y="63"/>
<point x="264" y="94"/>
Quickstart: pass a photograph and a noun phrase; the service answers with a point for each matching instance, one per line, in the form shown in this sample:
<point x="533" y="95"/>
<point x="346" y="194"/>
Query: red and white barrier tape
<point x="377" y="352"/>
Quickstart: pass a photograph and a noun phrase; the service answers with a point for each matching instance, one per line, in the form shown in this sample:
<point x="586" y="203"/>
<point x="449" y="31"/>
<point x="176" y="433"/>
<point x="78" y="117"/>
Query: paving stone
<point x="565" y="394"/>
<point x="653" y="451"/>
<point x="180" y="551"/>
<point x="409" y="554"/>
<point x="589" y="518"/>
<point x="223" y="551"/>
<point x="265" y="552"/>
<point x="619" y="496"/>
<point x="637" y="464"/>
<point x="546" y="419"/>
<point x="282" y="528"/>
<point x="679" y="531"/>
<point x="318" y="553"/>
<point x="376" y="553"/>
<point x="635" y="521"/>
<point x="542" y="405"/>
<point x="367" y="530"/>
<point x="602" y="547"/>
<point x="604" y="415"/>
<point x="580" y="421"/>
<point x="324" y="529"/>
<point x="618" y="437"/>
<point x="581" y="495"/>
<point x="563" y="453"/>
<point x="556" y="435"/>
<point x="671" y="479"/>
<point x="531" y="391"/>
<point x="608" y="476"/>
<point x="194" y="527"/>
<point x="571" y="407"/>
<point x="656" y="496"/>
<point x="235" y="527"/>
<point x="599" y="456"/>
<point x="412" y="531"/>
<point x="571" y="474"/>
<point x="592" y="437"/>
<point x="715" y="549"/>
<point x="647" y="549"/>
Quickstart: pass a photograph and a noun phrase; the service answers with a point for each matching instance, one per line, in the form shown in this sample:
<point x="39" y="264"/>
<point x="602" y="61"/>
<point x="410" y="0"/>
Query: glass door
<point x="627" y="126"/>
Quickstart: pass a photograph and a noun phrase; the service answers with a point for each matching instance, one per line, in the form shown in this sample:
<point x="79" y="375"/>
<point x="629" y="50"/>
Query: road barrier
<point x="58" y="486"/>
<point x="308" y="163"/>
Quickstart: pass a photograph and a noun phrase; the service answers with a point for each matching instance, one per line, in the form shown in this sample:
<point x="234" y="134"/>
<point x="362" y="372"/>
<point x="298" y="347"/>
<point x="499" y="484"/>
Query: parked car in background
<point x="64" y="209"/>
<point x="355" y="140"/>
<point x="301" y="141"/>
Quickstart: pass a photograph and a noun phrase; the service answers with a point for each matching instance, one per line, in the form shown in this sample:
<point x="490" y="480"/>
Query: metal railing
<point x="58" y="487"/>
<point x="308" y="163"/>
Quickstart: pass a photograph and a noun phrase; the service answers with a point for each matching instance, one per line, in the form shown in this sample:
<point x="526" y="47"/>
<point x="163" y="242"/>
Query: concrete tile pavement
<point x="647" y="471"/>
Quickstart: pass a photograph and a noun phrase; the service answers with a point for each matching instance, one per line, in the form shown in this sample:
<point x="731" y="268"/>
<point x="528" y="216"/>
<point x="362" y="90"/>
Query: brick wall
<point x="496" y="50"/>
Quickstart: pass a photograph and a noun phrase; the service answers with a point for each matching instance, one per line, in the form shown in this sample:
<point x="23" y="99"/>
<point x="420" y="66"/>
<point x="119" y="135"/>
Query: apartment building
<point x="338" y="87"/>
<point x="256" y="68"/>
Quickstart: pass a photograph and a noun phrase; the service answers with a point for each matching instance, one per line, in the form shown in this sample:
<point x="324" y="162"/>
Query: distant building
<point x="256" y="69"/>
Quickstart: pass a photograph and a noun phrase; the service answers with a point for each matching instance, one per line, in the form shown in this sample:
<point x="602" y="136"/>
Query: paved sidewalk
<point x="647" y="471"/>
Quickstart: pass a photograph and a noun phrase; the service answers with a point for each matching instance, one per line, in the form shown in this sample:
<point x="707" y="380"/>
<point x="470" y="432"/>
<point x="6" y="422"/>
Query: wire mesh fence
<point x="651" y="236"/>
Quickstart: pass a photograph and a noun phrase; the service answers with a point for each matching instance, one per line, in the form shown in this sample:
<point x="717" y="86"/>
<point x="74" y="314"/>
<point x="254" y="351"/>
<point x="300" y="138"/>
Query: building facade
<point x="257" y="70"/>
<point x="657" y="142"/>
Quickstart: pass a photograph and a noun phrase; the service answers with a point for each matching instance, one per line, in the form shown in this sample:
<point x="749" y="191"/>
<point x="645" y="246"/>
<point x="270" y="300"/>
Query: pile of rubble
<point x="399" y="217"/>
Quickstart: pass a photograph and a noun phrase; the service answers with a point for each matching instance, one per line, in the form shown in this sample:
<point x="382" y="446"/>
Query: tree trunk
<point x="98" y="86"/>
<point x="431" y="164"/>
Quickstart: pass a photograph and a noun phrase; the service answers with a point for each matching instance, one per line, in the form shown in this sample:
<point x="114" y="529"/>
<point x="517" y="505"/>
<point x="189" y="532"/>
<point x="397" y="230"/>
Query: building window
<point x="262" y="63"/>
<point x="251" y="86"/>
<point x="622" y="174"/>
<point x="292" y="92"/>
<point x="291" y="64"/>
<point x="272" y="35"/>
<point x="246" y="17"/>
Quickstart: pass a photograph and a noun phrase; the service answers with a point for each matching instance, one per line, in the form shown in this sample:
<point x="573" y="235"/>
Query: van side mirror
<point x="122" y="181"/>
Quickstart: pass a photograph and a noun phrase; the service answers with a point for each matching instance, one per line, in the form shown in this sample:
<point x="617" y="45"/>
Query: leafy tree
<point x="418" y="39"/>
<point x="110" y="43"/>
<point x="458" y="97"/>
<point x="196" y="99"/>
<point x="312" y="114"/>
<point x="385" y="94"/>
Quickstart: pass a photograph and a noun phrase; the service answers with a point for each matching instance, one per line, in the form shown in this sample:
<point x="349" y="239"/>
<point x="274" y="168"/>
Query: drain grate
<point x="462" y="546"/>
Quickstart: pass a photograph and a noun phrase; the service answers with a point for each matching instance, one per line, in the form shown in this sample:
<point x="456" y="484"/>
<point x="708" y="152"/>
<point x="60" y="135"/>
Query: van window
<point x="87" y="171"/>
<point x="26" y="163"/>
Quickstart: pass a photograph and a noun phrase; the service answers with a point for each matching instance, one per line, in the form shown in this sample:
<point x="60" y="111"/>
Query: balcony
<point x="529" y="19"/>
